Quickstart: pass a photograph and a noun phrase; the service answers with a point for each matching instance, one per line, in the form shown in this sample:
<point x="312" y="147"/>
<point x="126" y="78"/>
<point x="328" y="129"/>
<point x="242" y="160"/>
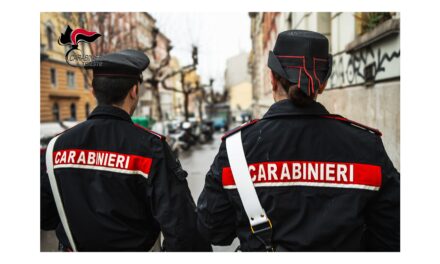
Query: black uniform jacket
<point x="326" y="184"/>
<point x="120" y="186"/>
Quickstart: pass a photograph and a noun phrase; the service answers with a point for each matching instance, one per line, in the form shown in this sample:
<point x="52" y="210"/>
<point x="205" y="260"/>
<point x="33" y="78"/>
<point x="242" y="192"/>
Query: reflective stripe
<point x="312" y="184"/>
<point x="91" y="167"/>
<point x="56" y="193"/>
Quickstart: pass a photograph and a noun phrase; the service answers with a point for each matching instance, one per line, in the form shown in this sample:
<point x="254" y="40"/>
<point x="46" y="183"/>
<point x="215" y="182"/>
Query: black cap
<point x="302" y="57"/>
<point x="121" y="64"/>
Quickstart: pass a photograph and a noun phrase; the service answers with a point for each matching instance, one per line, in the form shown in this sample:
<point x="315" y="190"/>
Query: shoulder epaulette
<point x="354" y="123"/>
<point x="230" y="132"/>
<point x="161" y="137"/>
<point x="66" y="129"/>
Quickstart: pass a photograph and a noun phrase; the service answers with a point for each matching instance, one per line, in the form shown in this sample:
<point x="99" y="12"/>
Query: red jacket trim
<point x="161" y="137"/>
<point x="354" y="123"/>
<point x="239" y="128"/>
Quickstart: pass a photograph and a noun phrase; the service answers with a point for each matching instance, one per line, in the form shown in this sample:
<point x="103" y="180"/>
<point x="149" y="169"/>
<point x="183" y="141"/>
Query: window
<point x="49" y="34"/>
<point x="70" y="79"/>
<point x="73" y="112"/>
<point x="53" y="77"/>
<point x="56" y="111"/>
<point x="87" y="109"/>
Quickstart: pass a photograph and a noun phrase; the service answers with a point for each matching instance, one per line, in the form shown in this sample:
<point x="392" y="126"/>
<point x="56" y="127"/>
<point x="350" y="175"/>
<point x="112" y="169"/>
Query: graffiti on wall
<point x="368" y="64"/>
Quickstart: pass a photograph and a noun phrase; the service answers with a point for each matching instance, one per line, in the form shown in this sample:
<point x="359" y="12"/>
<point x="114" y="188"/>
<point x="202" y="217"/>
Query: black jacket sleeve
<point x="383" y="213"/>
<point x="49" y="218"/>
<point x="216" y="216"/>
<point x="173" y="206"/>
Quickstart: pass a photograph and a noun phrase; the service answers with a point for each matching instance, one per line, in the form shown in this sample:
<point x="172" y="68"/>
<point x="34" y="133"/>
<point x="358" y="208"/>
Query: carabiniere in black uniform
<point x="120" y="184"/>
<point x="325" y="182"/>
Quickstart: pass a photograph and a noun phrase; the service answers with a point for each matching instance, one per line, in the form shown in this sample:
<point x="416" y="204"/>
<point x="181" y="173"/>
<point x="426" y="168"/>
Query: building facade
<point x="166" y="96"/>
<point x="239" y="87"/>
<point x="365" y="81"/>
<point x="191" y="81"/>
<point x="263" y="36"/>
<point x="175" y="81"/>
<point x="65" y="92"/>
<point x="145" y="25"/>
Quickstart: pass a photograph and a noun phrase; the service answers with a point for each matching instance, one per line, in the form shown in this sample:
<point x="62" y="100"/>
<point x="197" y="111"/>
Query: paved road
<point x="196" y="162"/>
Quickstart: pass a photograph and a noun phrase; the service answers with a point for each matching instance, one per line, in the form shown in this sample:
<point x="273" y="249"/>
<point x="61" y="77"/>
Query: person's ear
<point x="134" y="91"/>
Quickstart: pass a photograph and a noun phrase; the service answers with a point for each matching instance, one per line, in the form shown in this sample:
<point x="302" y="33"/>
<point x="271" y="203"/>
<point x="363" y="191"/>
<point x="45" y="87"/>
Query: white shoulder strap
<point x="242" y="178"/>
<point x="56" y="193"/>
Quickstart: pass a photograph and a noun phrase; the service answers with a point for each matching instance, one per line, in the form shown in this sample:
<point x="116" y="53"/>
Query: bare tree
<point x="187" y="89"/>
<point x="204" y="96"/>
<point x="157" y="72"/>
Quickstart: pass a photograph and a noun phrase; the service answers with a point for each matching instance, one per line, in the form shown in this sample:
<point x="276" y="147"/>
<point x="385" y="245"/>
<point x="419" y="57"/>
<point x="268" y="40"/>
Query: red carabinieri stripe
<point x="97" y="159"/>
<point x="310" y="173"/>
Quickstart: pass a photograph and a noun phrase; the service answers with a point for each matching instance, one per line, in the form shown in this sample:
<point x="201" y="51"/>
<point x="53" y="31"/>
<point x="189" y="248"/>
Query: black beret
<point x="125" y="63"/>
<point x="302" y="57"/>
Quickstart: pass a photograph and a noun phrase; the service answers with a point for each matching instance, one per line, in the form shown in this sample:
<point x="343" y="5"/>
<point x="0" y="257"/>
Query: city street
<point x="197" y="162"/>
<point x="185" y="75"/>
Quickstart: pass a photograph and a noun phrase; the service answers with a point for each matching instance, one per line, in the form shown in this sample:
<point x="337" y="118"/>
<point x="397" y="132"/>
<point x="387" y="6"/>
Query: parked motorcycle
<point x="187" y="137"/>
<point x="207" y="131"/>
<point x="175" y="143"/>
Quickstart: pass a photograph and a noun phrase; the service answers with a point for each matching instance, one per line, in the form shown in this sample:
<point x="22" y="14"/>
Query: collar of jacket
<point x="109" y="112"/>
<point x="287" y="108"/>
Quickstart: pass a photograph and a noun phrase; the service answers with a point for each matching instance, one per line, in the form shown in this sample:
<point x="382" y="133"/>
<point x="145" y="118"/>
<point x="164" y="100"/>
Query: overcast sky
<point x="219" y="36"/>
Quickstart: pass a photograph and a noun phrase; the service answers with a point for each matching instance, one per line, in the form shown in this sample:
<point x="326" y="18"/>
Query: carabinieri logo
<point x="72" y="38"/>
